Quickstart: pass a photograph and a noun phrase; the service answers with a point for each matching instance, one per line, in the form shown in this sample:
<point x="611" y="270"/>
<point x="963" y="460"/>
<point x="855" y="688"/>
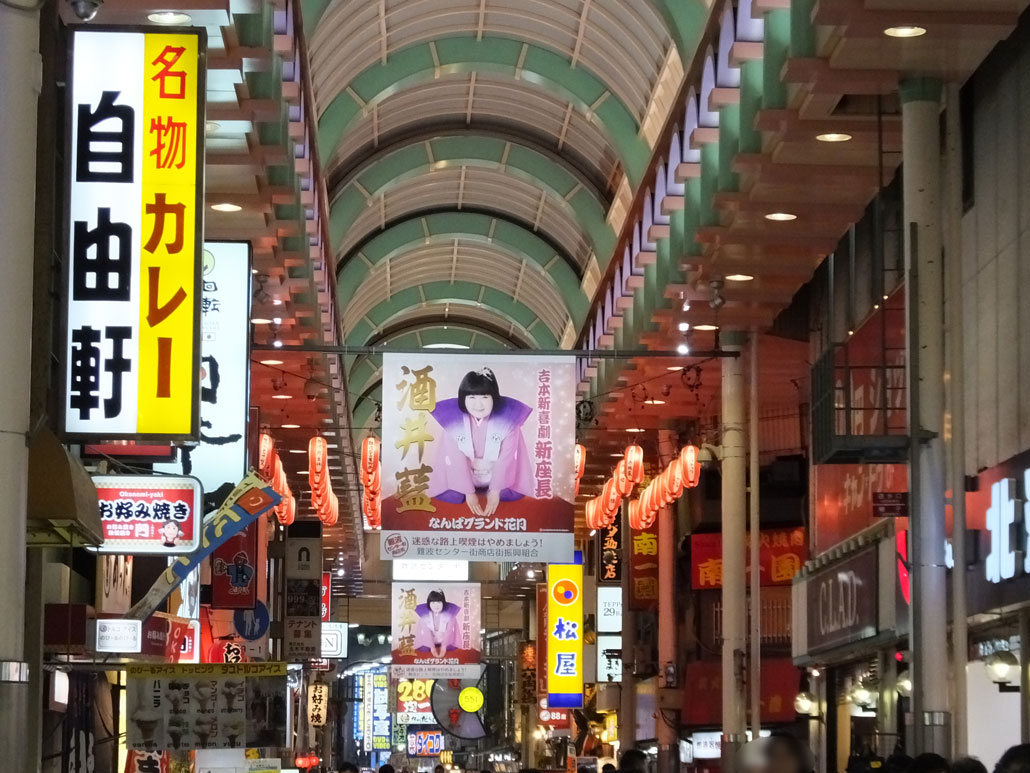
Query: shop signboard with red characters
<point x="781" y="556"/>
<point x="149" y="514"/>
<point x="413" y="706"/>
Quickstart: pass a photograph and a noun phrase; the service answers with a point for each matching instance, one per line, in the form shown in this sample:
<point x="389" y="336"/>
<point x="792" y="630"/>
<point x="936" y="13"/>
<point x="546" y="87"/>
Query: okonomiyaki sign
<point x="477" y="457"/>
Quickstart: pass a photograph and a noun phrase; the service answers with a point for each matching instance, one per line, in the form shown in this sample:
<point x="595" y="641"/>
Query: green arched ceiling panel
<point x="444" y="294"/>
<point x="423" y="156"/>
<point x="530" y="63"/>
<point x="513" y="239"/>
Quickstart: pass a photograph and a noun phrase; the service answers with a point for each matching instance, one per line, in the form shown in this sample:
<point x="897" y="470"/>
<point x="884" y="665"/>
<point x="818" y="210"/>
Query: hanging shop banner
<point x="133" y="282"/>
<point x="643" y="569"/>
<point x="206" y="706"/>
<point x="609" y="551"/>
<point x="327" y="586"/>
<point x="149" y="514"/>
<point x="565" y="636"/>
<point x="609" y="610"/>
<point x="377" y="724"/>
<point x="541" y="642"/>
<point x="609" y="659"/>
<point x="525" y="690"/>
<point x="781" y="556"/>
<point x="425" y="743"/>
<point x="251" y="499"/>
<point x="413" y="707"/>
<point x="436" y="630"/>
<point x="318" y="704"/>
<point x="478" y="462"/>
<point x="234" y="571"/>
<point x="221" y="457"/>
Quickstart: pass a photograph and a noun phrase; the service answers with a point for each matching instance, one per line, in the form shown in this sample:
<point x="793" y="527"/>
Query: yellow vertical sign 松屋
<point x="565" y="636"/>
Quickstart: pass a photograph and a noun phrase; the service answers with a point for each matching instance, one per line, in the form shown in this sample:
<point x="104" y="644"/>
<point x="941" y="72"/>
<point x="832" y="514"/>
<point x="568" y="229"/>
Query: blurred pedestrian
<point x="1015" y="760"/>
<point x="633" y="761"/>
<point x="968" y="765"/>
<point x="929" y="762"/>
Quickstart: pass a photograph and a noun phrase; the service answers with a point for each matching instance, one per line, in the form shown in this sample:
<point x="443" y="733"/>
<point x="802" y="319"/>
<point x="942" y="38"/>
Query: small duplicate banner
<point x="149" y="514"/>
<point x="132" y="284"/>
<point x="206" y="706"/>
<point x="478" y="458"/>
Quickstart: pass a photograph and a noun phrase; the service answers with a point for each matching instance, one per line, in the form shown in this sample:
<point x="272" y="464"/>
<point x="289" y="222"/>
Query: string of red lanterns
<point x="270" y="468"/>
<point x="601" y="510"/>
<point x="683" y="472"/>
<point x="323" y="498"/>
<point x="580" y="464"/>
<point x="371" y="476"/>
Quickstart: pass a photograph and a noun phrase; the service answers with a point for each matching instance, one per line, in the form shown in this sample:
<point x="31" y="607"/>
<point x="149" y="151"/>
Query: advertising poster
<point x="132" y="284"/>
<point x="377" y="722"/>
<point x="781" y="555"/>
<point x="436" y="630"/>
<point x="425" y="743"/>
<point x="413" y="706"/>
<point x="221" y="457"/>
<point x="206" y="706"/>
<point x="302" y="634"/>
<point x="477" y="458"/>
<point x="565" y="675"/>
<point x="149" y="514"/>
<point x="234" y="565"/>
<point x="643" y="569"/>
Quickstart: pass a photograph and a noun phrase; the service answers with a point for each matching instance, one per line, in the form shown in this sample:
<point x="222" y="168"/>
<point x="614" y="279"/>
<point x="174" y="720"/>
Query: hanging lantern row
<point x="371" y="475"/>
<point x="323" y="498"/>
<point x="270" y="468"/>
<point x="580" y="463"/>
<point x="683" y="472"/>
<point x="601" y="510"/>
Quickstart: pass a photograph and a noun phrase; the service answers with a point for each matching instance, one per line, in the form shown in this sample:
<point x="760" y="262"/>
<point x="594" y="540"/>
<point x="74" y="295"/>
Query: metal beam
<point x="589" y="354"/>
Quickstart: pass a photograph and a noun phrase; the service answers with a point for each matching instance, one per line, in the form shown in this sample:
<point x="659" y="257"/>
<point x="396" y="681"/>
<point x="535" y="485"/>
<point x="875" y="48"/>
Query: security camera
<point x="86" y="9"/>
<point x="312" y="389"/>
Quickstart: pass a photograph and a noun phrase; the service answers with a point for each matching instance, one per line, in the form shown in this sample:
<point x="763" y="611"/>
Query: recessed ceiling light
<point x="271" y="362"/>
<point x="781" y="217"/>
<point x="685" y="326"/>
<point x="277" y="302"/>
<point x="282" y="397"/>
<point x="170" y="17"/>
<point x="706" y="328"/>
<point x="686" y="306"/>
<point x="289" y="426"/>
<point x="633" y="429"/>
<point x="277" y="344"/>
<point x="739" y="278"/>
<point x="259" y="321"/>
<point x="682" y="349"/>
<point x="833" y="137"/>
<point x="277" y="320"/>
<point x="905" y="31"/>
<point x="674" y="367"/>
<point x="654" y="402"/>
<point x="226" y="206"/>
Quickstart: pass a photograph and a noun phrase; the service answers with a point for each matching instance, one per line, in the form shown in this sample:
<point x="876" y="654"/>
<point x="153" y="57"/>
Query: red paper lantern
<point x="622" y="482"/>
<point x="266" y="454"/>
<point x="226" y="651"/>
<point x="610" y="499"/>
<point x="369" y="458"/>
<point x="690" y="466"/>
<point x="634" y="458"/>
<point x="580" y="460"/>
<point x="675" y="479"/>
<point x="633" y="511"/>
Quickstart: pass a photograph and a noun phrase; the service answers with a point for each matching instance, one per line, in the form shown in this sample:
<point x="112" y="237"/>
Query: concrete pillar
<point x="668" y="620"/>
<point x="924" y="287"/>
<point x="628" y="690"/>
<point x="734" y="507"/>
<point x="754" y="526"/>
<point x="19" y="57"/>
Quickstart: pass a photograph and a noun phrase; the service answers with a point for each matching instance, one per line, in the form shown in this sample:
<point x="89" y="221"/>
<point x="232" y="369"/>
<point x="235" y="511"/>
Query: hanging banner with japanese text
<point x="149" y="514"/>
<point x="609" y="552"/>
<point x="436" y="630"/>
<point x="781" y="556"/>
<point x="643" y="569"/>
<point x="132" y="283"/>
<point x="477" y="457"/>
<point x="565" y="636"/>
<point x="212" y="706"/>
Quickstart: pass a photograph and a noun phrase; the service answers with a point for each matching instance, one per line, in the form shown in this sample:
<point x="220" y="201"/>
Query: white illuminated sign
<point x="124" y="636"/>
<point x="413" y="570"/>
<point x="1005" y="540"/>
<point x="609" y="659"/>
<point x="334" y="640"/>
<point x="609" y="609"/>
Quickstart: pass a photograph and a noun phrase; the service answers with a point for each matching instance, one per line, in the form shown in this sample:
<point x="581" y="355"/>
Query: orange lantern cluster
<point x="580" y="462"/>
<point x="683" y="472"/>
<point x="601" y="510"/>
<point x="307" y="761"/>
<point x="371" y="481"/>
<point x="323" y="498"/>
<point x="270" y="468"/>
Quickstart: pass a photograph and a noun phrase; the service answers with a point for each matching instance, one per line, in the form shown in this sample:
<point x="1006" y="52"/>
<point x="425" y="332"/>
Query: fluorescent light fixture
<point x="289" y="426"/>
<point x="282" y="397"/>
<point x="633" y="429"/>
<point x="781" y="217"/>
<point x="226" y="206"/>
<point x="706" y="328"/>
<point x="260" y="321"/>
<point x="739" y="278"/>
<point x="833" y="137"/>
<point x="170" y="17"/>
<point x="271" y="362"/>
<point x="653" y="401"/>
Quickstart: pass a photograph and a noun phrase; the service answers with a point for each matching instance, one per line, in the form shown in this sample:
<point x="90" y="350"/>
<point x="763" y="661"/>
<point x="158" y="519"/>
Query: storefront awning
<point x="62" y="500"/>
<point x="702" y="695"/>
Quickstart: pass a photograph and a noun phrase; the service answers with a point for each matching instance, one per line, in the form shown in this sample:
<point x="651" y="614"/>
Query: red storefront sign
<point x="781" y="555"/>
<point x="146" y="762"/>
<point x="327" y="584"/>
<point x="643" y="568"/>
<point x="702" y="694"/>
<point x="149" y="514"/>
<point x="234" y="571"/>
<point x="843" y="498"/>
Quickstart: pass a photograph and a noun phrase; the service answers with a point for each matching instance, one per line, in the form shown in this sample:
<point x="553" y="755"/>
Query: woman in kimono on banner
<point x="437" y="629"/>
<point x="482" y="450"/>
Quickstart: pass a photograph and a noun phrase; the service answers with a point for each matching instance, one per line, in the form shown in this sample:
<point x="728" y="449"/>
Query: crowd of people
<point x="784" y="753"/>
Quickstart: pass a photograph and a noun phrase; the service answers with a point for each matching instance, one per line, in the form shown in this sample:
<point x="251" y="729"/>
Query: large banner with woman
<point x="477" y="457"/>
<point x="436" y="630"/>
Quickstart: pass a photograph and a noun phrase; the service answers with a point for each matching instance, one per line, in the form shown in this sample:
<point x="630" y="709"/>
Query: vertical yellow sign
<point x="168" y="256"/>
<point x="565" y="636"/>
